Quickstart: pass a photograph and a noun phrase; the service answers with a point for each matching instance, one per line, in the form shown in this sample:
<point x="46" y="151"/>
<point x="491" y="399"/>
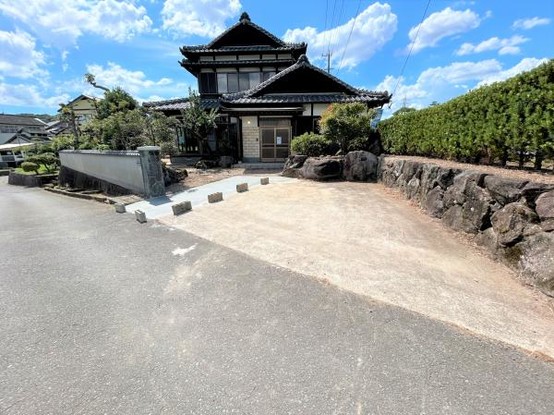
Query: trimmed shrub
<point x="312" y="145"/>
<point x="48" y="160"/>
<point x="29" y="167"/>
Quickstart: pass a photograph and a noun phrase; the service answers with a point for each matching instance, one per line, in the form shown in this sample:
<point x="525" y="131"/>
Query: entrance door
<point x="275" y="142"/>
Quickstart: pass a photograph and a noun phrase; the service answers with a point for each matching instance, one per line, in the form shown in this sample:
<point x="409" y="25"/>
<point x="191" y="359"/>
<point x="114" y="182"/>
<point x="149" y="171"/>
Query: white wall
<point x="122" y="168"/>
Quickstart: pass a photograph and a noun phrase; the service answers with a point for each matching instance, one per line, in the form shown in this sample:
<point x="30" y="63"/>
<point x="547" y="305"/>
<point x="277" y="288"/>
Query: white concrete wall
<point x="122" y="168"/>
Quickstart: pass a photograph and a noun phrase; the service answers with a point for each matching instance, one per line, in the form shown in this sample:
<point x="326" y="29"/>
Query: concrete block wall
<point x="250" y="139"/>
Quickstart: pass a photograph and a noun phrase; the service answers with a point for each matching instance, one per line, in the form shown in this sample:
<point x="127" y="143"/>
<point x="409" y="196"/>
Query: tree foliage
<point x="313" y="145"/>
<point x="197" y="121"/>
<point x="349" y="125"/>
<point x="509" y="120"/>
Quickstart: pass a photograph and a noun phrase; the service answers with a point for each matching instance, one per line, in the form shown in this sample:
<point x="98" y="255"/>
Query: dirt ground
<point x="361" y="238"/>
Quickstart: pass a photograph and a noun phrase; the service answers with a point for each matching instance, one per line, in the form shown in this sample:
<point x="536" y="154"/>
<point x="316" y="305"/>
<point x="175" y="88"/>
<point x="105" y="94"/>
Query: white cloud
<point x="507" y="46"/>
<point x="445" y="82"/>
<point x="27" y="95"/>
<point x="19" y="57"/>
<point x="135" y="82"/>
<point x="526" y="64"/>
<point x="439" y="25"/>
<point x="530" y="23"/>
<point x="198" y="17"/>
<point x="371" y="30"/>
<point x="61" y="23"/>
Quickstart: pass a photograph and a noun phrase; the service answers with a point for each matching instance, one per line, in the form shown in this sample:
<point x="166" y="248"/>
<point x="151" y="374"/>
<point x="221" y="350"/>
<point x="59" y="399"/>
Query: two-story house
<point x="265" y="92"/>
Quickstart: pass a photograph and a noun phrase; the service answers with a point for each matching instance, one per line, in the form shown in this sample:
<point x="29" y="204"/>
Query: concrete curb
<point x="96" y="198"/>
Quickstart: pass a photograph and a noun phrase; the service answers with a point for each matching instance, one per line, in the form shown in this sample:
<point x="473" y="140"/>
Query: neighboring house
<point x="22" y="126"/>
<point x="84" y="108"/>
<point x="58" y="127"/>
<point x="264" y="90"/>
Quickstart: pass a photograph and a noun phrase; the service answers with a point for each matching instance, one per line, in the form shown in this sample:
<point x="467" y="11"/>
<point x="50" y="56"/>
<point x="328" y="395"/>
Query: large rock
<point x="433" y="203"/>
<point x="392" y="171"/>
<point x="173" y="175"/>
<point x="474" y="214"/>
<point x="503" y="190"/>
<point x="411" y="190"/>
<point x="535" y="258"/>
<point x="544" y="206"/>
<point x="463" y="185"/>
<point x="360" y="166"/>
<point x="510" y="222"/>
<point x="322" y="168"/>
<point x="293" y="165"/>
<point x="533" y="190"/>
<point x="488" y="239"/>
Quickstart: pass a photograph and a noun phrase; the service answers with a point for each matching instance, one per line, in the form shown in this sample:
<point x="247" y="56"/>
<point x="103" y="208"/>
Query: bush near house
<point x="49" y="161"/>
<point x="312" y="145"/>
<point x="345" y="127"/>
<point x="511" y="120"/>
<point x="29" y="167"/>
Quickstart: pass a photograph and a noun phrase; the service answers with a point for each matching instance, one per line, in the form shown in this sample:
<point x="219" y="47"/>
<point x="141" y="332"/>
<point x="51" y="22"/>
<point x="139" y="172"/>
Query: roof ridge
<point x="245" y="20"/>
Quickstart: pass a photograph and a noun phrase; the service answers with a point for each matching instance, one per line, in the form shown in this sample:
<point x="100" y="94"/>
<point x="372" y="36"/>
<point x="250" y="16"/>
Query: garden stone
<point x="474" y="214"/>
<point x="535" y="257"/>
<point x="462" y="184"/>
<point x="360" y="166"/>
<point x="322" y="168"/>
<point x="488" y="239"/>
<point x="545" y="210"/>
<point x="503" y="190"/>
<point x="433" y="203"/>
<point x="533" y="190"/>
<point x="412" y="188"/>
<point x="510" y="222"/>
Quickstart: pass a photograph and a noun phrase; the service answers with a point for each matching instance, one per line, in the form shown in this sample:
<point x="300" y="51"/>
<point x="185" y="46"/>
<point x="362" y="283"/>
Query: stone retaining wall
<point x="30" y="180"/>
<point x="513" y="219"/>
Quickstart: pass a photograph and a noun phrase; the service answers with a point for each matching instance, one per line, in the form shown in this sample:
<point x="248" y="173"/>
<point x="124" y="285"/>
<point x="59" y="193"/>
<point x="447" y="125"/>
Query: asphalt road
<point x="99" y="314"/>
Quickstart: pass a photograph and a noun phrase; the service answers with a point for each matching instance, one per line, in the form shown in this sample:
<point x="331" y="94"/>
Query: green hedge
<point x="509" y="120"/>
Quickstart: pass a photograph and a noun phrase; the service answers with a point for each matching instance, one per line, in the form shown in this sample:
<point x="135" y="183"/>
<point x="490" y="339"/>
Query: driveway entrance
<point x="365" y="239"/>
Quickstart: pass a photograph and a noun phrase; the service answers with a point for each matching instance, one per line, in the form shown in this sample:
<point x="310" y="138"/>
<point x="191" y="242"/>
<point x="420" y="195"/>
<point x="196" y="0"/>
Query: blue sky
<point x="48" y="45"/>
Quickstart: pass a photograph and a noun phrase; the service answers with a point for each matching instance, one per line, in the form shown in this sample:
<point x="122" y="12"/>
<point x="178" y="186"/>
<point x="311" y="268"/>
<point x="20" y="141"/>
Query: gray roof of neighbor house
<point x="22" y="120"/>
<point x="20" y="136"/>
<point x="181" y="104"/>
<point x="80" y="97"/>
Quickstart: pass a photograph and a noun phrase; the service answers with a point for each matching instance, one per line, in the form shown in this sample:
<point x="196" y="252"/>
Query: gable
<point x="305" y="79"/>
<point x="245" y="33"/>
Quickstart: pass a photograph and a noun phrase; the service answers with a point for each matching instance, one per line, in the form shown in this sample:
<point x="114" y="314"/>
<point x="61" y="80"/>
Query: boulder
<point x="206" y="164"/>
<point x="474" y="214"/>
<point x="293" y="165"/>
<point x="433" y="203"/>
<point x="226" y="161"/>
<point x="412" y="188"/>
<point x="488" y="239"/>
<point x="322" y="168"/>
<point x="463" y="184"/>
<point x="533" y="190"/>
<point x="173" y="175"/>
<point x="503" y="190"/>
<point x="535" y="259"/>
<point x="544" y="207"/>
<point x="360" y="166"/>
<point x="511" y="221"/>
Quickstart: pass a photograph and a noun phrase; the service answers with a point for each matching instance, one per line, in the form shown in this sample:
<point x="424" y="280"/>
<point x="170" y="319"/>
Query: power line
<point x="349" y="35"/>
<point x="411" y="48"/>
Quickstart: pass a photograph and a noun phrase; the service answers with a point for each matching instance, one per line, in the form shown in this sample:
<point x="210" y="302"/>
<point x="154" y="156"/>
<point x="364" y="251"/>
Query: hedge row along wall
<point x="510" y="120"/>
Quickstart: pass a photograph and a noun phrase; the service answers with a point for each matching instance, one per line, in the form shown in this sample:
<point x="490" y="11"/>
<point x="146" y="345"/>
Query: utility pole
<point x="328" y="56"/>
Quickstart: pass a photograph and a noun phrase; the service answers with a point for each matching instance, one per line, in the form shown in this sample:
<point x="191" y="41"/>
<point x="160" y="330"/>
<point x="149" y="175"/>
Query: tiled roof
<point x="21" y="120"/>
<point x="251" y="48"/>
<point x="301" y="63"/>
<point x="180" y="104"/>
<point x="245" y="20"/>
<point x="376" y="97"/>
<point x="256" y="62"/>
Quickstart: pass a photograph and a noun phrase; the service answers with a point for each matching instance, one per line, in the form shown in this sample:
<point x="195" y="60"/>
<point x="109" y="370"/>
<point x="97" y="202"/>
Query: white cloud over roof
<point x="205" y="18"/>
<point x="439" y="25"/>
<point x="371" y="30"/>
